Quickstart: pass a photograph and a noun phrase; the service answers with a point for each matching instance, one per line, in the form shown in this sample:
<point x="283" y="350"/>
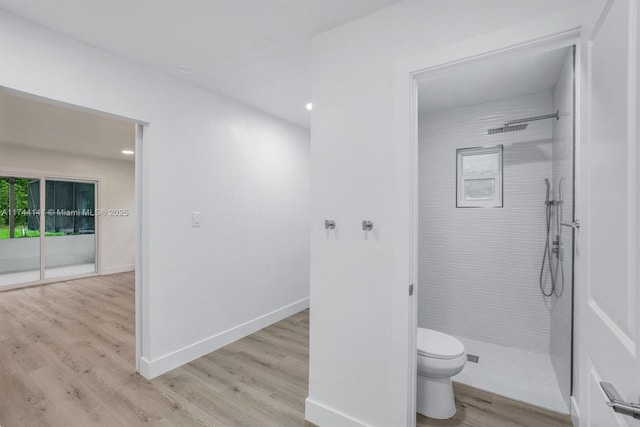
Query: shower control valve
<point x="556" y="247"/>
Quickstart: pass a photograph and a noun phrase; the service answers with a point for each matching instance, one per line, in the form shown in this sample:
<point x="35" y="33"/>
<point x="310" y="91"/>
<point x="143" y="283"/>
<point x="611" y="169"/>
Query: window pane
<point x="480" y="163"/>
<point x="85" y="205"/>
<point x="63" y="202"/>
<point x="70" y="239"/>
<point x="480" y="189"/>
<point x="19" y="230"/>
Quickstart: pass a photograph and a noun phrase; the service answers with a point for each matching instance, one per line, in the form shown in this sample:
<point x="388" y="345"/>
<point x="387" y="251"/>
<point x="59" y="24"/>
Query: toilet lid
<point x="438" y="345"/>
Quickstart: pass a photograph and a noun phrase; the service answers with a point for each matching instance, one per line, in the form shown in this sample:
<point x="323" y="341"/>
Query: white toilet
<point x="440" y="357"/>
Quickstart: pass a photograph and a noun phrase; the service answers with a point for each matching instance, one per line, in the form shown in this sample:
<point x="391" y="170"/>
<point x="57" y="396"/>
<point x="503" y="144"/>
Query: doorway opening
<point x="70" y="196"/>
<point x="495" y="216"/>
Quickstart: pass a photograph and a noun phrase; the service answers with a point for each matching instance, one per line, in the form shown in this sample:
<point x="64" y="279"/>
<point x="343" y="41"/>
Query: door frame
<point x="560" y="29"/>
<point x="142" y="139"/>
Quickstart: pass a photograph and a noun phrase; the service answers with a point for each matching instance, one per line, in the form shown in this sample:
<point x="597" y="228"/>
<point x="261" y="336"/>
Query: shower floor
<point x="518" y="374"/>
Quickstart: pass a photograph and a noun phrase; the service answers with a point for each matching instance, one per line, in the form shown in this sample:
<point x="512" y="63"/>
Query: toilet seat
<point x="438" y="345"/>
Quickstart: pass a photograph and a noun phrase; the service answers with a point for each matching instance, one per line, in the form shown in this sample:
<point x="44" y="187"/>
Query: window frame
<point x="497" y="201"/>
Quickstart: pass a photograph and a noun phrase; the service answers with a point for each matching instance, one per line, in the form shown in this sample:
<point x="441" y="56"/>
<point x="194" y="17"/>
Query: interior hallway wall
<point x="246" y="171"/>
<point x="357" y="296"/>
<point x="117" y="191"/>
<point x="561" y="306"/>
<point x="478" y="268"/>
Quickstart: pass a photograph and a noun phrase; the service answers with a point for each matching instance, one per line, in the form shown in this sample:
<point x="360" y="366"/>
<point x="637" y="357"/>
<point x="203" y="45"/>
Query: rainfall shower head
<point x="508" y="128"/>
<point x="521" y="124"/>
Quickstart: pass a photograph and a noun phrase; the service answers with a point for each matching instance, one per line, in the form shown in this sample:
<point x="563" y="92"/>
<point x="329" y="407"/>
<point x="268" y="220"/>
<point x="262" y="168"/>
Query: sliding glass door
<point x="68" y="209"/>
<point x="19" y="230"/>
<point x="70" y="243"/>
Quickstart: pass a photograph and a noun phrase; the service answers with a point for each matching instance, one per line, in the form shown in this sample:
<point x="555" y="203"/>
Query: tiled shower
<point x="479" y="268"/>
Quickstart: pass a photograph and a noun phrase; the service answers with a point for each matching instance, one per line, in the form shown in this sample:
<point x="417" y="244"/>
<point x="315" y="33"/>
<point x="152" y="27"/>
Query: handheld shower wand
<point x="546" y="257"/>
<point x="549" y="252"/>
<point x="546" y="181"/>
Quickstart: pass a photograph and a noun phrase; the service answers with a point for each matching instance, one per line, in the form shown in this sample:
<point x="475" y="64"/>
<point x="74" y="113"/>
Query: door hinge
<point x="411" y="289"/>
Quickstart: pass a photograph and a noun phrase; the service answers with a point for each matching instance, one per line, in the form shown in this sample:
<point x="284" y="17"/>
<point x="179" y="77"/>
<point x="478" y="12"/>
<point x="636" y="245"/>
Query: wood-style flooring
<point x="67" y="354"/>
<point x="477" y="408"/>
<point x="67" y="359"/>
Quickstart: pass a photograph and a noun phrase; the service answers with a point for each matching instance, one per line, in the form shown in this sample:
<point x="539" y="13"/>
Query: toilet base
<point x="435" y="397"/>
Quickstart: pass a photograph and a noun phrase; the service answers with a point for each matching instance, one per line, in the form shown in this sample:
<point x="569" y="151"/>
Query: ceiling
<point x="254" y="51"/>
<point x="43" y="125"/>
<point x="491" y="80"/>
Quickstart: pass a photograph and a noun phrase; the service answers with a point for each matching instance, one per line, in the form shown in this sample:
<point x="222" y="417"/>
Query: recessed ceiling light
<point x="309" y="106"/>
<point x="186" y="69"/>
<point x="127" y="152"/>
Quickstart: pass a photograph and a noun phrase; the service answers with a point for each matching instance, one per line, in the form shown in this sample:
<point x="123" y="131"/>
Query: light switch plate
<point x="196" y="218"/>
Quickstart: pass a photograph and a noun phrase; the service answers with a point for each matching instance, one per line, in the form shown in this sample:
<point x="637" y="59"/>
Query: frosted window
<point x="479" y="177"/>
<point x="480" y="189"/>
<point x="480" y="163"/>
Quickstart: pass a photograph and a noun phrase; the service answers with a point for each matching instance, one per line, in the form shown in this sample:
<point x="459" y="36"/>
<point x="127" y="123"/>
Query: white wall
<point x="116" y="191"/>
<point x="357" y="375"/>
<point x="561" y="316"/>
<point x="478" y="269"/>
<point x="246" y="171"/>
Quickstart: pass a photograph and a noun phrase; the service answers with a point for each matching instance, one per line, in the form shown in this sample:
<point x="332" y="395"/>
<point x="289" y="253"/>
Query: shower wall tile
<point x="563" y="168"/>
<point x="479" y="267"/>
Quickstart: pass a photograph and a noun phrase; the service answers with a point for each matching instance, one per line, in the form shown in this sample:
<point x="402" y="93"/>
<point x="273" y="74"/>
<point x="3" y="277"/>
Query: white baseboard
<point x="322" y="416"/>
<point x="152" y="368"/>
<point x="575" y="413"/>
<point x="143" y="368"/>
<point x="118" y="269"/>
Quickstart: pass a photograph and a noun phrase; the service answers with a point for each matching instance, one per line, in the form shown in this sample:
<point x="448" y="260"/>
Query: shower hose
<point x="557" y="288"/>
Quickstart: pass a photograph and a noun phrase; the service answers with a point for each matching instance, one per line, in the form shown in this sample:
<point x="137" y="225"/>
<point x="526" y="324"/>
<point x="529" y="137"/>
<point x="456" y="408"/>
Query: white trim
<point x="118" y="269"/>
<point x="46" y="173"/>
<point x="152" y="368"/>
<point x="575" y="412"/>
<point x="138" y="306"/>
<point x="143" y="248"/>
<point x="322" y="415"/>
<point x="548" y="32"/>
<point x="97" y="225"/>
<point x="46" y="282"/>
<point x="42" y="186"/>
<point x="632" y="164"/>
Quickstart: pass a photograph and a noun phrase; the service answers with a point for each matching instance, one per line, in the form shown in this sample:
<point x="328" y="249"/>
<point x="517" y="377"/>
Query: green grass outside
<point x="4" y="232"/>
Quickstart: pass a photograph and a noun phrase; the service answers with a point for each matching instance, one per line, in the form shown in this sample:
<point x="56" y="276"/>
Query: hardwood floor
<point x="67" y="359"/>
<point x="477" y="408"/>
